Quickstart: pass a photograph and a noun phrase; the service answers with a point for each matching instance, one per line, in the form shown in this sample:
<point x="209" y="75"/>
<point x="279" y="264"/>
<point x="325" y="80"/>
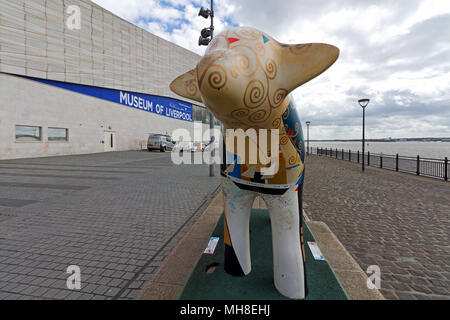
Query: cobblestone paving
<point x="397" y="221"/>
<point x="115" y="215"/>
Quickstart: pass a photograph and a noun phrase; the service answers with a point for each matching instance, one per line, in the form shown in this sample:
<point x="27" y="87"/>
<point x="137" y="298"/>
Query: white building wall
<point x="106" y="51"/>
<point x="27" y="102"/>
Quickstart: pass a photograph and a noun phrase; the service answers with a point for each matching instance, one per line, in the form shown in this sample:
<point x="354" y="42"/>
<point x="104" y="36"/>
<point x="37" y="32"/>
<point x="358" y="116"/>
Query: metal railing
<point x="435" y="168"/>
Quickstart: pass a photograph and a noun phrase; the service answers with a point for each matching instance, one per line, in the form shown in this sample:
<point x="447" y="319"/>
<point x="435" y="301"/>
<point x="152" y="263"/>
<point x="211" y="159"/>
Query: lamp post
<point x="307" y="137"/>
<point x="363" y="103"/>
<point x="206" y="35"/>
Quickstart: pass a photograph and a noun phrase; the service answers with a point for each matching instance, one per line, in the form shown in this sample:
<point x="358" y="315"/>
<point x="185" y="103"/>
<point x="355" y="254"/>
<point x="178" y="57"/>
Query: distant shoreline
<point x="388" y="140"/>
<point x="424" y="148"/>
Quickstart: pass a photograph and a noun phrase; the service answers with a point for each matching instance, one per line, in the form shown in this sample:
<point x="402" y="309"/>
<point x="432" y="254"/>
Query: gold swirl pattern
<point x="276" y="123"/>
<point x="292" y="160"/>
<point x="248" y="34"/>
<point x="249" y="59"/>
<point x="255" y="94"/>
<point x="258" y="116"/>
<point x="278" y="97"/>
<point x="249" y="69"/>
<point x="245" y="65"/>
<point x="218" y="77"/>
<point x="284" y="140"/>
<point x="242" y="62"/>
<point x="234" y="71"/>
<point x="271" y="69"/>
<point x="191" y="87"/>
<point x="240" y="113"/>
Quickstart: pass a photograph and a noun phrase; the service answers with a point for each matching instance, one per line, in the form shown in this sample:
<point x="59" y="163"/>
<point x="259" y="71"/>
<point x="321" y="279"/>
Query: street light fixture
<point x="203" y="41"/>
<point x="363" y="103"/>
<point x="205" y="13"/>
<point x="307" y="139"/>
<point x="206" y="32"/>
<point x="206" y="35"/>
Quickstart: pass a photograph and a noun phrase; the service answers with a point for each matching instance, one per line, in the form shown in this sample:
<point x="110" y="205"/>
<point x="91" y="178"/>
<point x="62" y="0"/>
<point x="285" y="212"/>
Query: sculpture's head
<point x="245" y="75"/>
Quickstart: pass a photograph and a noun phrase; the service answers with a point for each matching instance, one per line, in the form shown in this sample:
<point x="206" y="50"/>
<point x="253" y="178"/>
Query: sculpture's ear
<point x="186" y="86"/>
<point x="302" y="62"/>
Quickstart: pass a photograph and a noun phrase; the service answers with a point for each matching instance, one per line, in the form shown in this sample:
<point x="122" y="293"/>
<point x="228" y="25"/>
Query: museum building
<point x="77" y="79"/>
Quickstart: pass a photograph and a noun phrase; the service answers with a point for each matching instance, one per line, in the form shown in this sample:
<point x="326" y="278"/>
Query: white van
<point x="160" y="142"/>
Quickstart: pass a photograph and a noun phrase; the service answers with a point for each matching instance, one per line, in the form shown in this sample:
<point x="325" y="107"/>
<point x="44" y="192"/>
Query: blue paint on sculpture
<point x="293" y="128"/>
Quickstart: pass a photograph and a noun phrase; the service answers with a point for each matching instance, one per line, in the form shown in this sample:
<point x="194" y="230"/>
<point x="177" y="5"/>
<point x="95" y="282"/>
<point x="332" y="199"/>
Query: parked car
<point x="160" y="142"/>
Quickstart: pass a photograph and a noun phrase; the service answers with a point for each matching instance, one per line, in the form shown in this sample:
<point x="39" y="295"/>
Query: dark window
<point x="202" y="114"/>
<point x="207" y="116"/>
<point x="197" y="113"/>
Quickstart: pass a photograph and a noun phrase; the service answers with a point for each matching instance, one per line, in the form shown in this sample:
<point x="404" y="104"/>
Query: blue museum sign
<point x="164" y="106"/>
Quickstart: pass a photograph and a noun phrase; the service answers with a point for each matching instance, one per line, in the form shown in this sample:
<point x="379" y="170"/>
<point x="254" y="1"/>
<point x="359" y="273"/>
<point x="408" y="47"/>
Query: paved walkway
<point x="115" y="215"/>
<point x="397" y="221"/>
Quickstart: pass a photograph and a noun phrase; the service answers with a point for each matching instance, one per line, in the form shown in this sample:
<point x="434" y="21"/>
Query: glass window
<point x="58" y="134"/>
<point x="207" y="116"/>
<point x="194" y="113"/>
<point x="28" y="133"/>
<point x="201" y="114"/>
<point x="197" y="113"/>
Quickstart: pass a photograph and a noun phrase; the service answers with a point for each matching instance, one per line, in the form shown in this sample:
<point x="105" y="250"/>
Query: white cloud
<point x="395" y="52"/>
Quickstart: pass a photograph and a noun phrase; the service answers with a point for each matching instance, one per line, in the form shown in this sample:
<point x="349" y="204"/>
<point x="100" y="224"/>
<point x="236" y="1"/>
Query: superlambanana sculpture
<point x="244" y="79"/>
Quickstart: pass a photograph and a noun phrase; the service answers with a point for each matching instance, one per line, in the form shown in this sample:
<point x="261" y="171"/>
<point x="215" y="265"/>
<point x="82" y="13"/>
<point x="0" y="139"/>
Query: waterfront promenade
<point x="397" y="221"/>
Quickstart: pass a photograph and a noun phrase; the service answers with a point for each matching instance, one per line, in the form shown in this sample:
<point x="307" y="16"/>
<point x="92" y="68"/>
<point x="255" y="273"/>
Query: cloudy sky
<point x="395" y="52"/>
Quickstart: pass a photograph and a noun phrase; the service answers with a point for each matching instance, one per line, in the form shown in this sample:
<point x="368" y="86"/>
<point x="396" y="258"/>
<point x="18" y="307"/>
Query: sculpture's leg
<point x="289" y="273"/>
<point x="238" y="206"/>
<point x="301" y="221"/>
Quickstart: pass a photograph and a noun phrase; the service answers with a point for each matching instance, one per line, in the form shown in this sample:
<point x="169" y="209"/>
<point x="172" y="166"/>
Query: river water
<point x="429" y="149"/>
